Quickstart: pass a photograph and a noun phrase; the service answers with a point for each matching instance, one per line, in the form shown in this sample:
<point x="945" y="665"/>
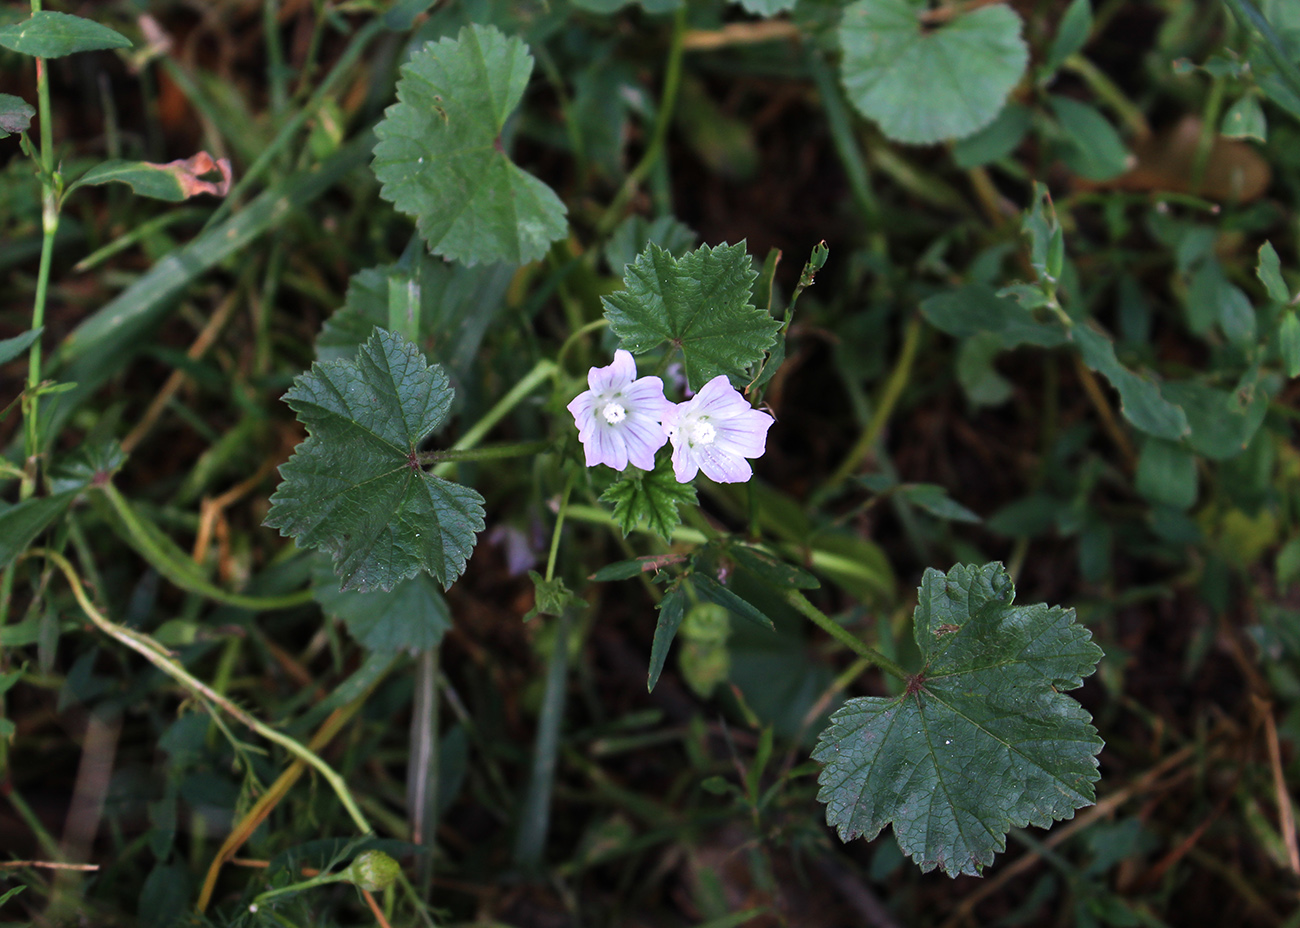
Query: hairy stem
<point x="843" y="635"/>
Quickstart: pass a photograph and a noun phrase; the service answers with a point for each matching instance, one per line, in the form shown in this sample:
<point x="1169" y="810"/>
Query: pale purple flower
<point x="618" y="418"/>
<point x="714" y="432"/>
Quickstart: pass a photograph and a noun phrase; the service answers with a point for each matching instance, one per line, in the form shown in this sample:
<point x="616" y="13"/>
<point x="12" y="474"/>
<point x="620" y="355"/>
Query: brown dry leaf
<point x="1166" y="161"/>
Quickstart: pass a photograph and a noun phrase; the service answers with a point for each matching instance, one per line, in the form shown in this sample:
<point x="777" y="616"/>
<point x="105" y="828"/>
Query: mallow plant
<point x="651" y="397"/>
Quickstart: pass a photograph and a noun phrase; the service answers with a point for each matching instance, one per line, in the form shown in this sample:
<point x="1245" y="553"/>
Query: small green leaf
<point x="704" y="658"/>
<point x="625" y="570"/>
<point x="440" y="158"/>
<point x="413" y="616"/>
<point x="700" y="304"/>
<point x="981" y="741"/>
<point x="650" y="498"/>
<point x="11" y="348"/>
<point x="973" y="309"/>
<point x="1071" y="36"/>
<point x="17" y="889"/>
<point x="1094" y="149"/>
<point x="22" y="522"/>
<point x="15" y="115"/>
<point x="1222" y="422"/>
<point x="934" y="499"/>
<point x="979" y="379"/>
<point x="672" y="609"/>
<point x="1141" y="401"/>
<point x="996" y="140"/>
<point x="1166" y="474"/>
<point x="552" y="597"/>
<point x="355" y="488"/>
<point x="1269" y="272"/>
<point x="924" y="85"/>
<point x="52" y="35"/>
<point x="1288" y="343"/>
<point x="1245" y="120"/>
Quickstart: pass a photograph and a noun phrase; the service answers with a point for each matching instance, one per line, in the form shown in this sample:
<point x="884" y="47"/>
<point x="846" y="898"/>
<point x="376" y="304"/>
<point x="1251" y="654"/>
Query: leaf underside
<point x="355" y="489"/>
<point x="982" y="741"/>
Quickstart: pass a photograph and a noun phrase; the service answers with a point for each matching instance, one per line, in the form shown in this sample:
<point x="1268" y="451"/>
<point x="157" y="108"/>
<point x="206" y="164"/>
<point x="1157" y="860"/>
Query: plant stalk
<point x="843" y="635"/>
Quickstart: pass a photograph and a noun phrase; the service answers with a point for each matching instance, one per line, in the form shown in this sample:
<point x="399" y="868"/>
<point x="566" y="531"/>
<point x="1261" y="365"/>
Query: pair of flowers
<point x="623" y="419"/>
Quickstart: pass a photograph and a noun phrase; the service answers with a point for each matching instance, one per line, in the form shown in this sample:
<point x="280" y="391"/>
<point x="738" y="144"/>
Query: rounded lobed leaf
<point x="983" y="740"/>
<point x="923" y="84"/>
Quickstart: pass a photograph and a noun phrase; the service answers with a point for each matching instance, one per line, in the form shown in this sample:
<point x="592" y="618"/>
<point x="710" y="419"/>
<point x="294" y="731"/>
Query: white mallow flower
<point x="714" y="432"/>
<point x="618" y="418"/>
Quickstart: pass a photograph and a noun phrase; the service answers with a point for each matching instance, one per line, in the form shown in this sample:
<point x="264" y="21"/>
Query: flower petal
<point x="721" y="466"/>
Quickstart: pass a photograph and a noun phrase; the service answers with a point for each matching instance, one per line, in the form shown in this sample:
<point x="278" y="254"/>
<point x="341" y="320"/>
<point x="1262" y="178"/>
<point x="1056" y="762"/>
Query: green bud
<point x="372" y="871"/>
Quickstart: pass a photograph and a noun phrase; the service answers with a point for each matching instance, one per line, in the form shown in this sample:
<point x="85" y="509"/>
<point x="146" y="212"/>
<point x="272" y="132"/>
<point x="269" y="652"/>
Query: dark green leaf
<point x="91" y="464"/>
<point x="771" y="569"/>
<point x="355" y="489"/>
<point x="1094" y="148"/>
<point x="624" y="570"/>
<point x="11" y="348"/>
<point x="22" y="522"/>
<point x="412" y="616"/>
<point x="440" y="158"/>
<point x="934" y="499"/>
<point x="1072" y="34"/>
<point x="1245" y="120"/>
<point x="996" y="140"/>
<point x="1269" y="271"/>
<point x="650" y="498"/>
<point x="1141" y="401"/>
<point x="974" y="309"/>
<point x="1166" y="474"/>
<point x="981" y="741"/>
<point x="672" y="609"/>
<point x="715" y="592"/>
<point x="1288" y="343"/>
<point x="52" y="35"/>
<point x="700" y="304"/>
<point x="924" y="85"/>
<point x="983" y="385"/>
<point x="1222" y="422"/>
<point x="15" y="115"/>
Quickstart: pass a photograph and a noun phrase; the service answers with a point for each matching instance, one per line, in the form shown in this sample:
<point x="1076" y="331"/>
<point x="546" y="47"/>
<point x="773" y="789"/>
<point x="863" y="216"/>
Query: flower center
<point x="614" y="413"/>
<point x="701" y="433"/>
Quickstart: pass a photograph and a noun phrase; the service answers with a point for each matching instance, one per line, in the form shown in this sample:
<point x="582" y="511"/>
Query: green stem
<point x="541" y="370"/>
<point x="898" y="378"/>
<point x="173" y="564"/>
<point x="843" y="635"/>
<point x="49" y="228"/>
<point x="518" y="449"/>
<point x="667" y="103"/>
<point x="559" y="526"/>
<point x="157" y="655"/>
<point x="585" y="330"/>
<point x="1109" y="92"/>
